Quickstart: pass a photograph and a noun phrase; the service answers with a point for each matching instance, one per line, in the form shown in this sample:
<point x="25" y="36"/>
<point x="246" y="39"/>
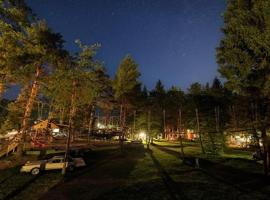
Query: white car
<point x="56" y="162"/>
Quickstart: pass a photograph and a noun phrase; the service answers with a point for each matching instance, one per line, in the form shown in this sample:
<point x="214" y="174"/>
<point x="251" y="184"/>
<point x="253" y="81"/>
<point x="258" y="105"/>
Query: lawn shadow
<point x="246" y="182"/>
<point x="188" y="160"/>
<point x="12" y="182"/>
<point x="105" y="173"/>
<point x="172" y="187"/>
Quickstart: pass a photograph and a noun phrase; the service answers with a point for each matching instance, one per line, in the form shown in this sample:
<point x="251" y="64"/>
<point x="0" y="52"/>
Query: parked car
<point x="59" y="135"/>
<point x="56" y="162"/>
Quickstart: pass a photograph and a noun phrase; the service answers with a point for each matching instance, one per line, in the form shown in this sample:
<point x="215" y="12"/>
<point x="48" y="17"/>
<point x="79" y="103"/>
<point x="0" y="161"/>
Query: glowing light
<point x="56" y="130"/>
<point x="142" y="135"/>
<point x="101" y="126"/>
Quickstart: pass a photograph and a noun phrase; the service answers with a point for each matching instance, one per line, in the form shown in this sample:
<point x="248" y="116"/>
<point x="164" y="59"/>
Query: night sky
<point x="171" y="40"/>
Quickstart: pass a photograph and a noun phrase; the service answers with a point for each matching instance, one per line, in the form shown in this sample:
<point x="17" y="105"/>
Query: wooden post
<point x="198" y="130"/>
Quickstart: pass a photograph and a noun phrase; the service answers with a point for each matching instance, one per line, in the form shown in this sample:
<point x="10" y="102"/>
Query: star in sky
<point x="170" y="40"/>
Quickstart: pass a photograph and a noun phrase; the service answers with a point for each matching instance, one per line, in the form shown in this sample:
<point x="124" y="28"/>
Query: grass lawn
<point x="141" y="173"/>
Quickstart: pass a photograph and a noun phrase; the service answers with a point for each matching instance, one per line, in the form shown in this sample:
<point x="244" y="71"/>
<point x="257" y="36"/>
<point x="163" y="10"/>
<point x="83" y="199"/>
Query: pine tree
<point x="157" y="98"/>
<point x="243" y="54"/>
<point x="15" y="16"/>
<point x="125" y="81"/>
<point x="32" y="49"/>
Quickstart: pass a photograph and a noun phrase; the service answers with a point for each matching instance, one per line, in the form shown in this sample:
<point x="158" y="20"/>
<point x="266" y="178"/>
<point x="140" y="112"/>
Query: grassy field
<point x="141" y="173"/>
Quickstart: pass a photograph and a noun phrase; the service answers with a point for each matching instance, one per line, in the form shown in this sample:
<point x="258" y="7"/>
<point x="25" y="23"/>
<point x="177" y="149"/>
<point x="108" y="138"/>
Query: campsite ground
<point x="141" y="173"/>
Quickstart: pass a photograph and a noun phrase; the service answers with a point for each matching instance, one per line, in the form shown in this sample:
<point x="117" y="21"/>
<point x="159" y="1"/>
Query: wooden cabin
<point x="239" y="139"/>
<point x="173" y="135"/>
<point x="45" y="124"/>
<point x="42" y="133"/>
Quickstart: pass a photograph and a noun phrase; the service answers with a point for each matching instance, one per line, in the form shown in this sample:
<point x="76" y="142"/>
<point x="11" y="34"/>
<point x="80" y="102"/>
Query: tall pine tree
<point x="244" y="54"/>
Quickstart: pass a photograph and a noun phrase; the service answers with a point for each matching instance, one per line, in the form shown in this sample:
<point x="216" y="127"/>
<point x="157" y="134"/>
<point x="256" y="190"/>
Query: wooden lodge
<point x="44" y="125"/>
<point x="174" y="135"/>
<point x="42" y="133"/>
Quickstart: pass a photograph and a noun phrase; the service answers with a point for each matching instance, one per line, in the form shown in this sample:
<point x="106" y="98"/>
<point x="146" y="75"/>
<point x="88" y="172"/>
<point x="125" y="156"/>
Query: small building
<point x="45" y="125"/>
<point x="191" y="135"/>
<point x="173" y="135"/>
<point x="240" y="139"/>
<point x="42" y="133"/>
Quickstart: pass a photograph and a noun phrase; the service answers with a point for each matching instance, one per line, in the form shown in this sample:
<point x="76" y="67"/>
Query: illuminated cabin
<point x="42" y="133"/>
<point x="241" y="139"/>
<point x="171" y="135"/>
<point x="45" y="125"/>
<point x="191" y="135"/>
<point x="174" y="135"/>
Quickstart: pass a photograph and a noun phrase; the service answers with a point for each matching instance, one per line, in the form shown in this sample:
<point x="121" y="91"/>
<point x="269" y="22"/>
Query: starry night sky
<point x="171" y="40"/>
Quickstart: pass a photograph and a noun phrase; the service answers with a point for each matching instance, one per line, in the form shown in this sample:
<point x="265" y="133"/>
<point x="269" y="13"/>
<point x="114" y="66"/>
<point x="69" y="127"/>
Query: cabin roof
<point x="45" y="124"/>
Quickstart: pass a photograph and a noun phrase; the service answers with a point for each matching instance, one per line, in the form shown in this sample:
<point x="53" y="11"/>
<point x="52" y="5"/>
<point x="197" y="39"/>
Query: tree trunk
<point x="70" y="131"/>
<point x="254" y="121"/>
<point x="164" y="125"/>
<point x="72" y="110"/>
<point x="91" y="120"/>
<point x="121" y="127"/>
<point x="134" y="125"/>
<point x="263" y="119"/>
<point x="180" y="133"/>
<point x="198" y="131"/>
<point x="122" y="124"/>
<point x="51" y="112"/>
<point x="212" y="142"/>
<point x="148" y="128"/>
<point x="265" y="152"/>
<point x="28" y="110"/>
<point x="62" y="115"/>
<point x="2" y="89"/>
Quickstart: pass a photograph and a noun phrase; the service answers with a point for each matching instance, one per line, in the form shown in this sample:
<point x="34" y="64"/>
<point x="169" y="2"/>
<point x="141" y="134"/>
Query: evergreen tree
<point x="243" y="54"/>
<point x="157" y="98"/>
<point x="126" y="79"/>
<point x="15" y="16"/>
<point x="32" y="49"/>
